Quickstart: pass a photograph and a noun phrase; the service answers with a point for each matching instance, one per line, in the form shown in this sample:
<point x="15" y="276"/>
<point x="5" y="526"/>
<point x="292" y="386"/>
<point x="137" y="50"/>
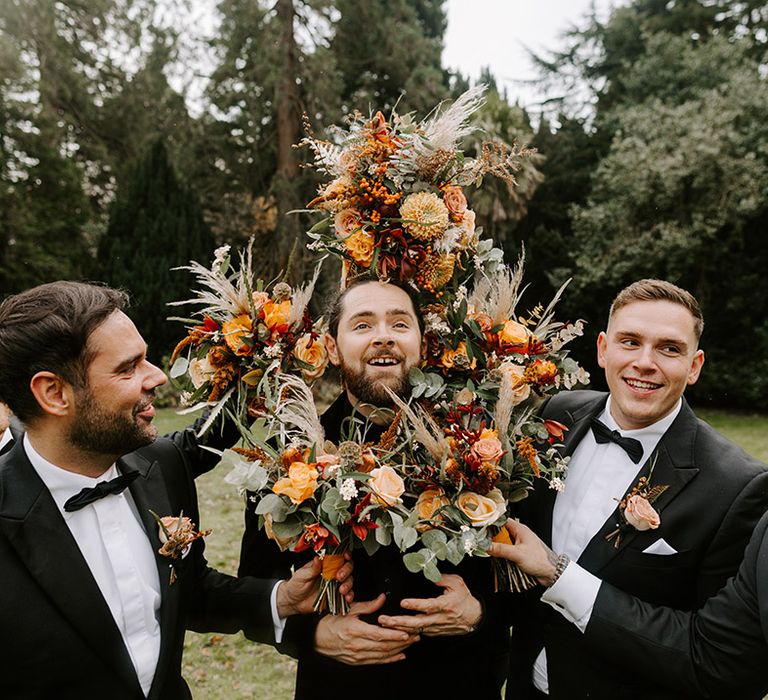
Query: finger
<point x="515" y="529"/>
<point x="502" y="551"/>
<point x="423" y="605"/>
<point x="413" y="624"/>
<point x="368" y="606"/>
<point x="311" y="569"/>
<point x="373" y="637"/>
<point x="344" y="573"/>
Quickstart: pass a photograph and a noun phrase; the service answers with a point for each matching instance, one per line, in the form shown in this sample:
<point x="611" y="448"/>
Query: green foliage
<point x="155" y="224"/>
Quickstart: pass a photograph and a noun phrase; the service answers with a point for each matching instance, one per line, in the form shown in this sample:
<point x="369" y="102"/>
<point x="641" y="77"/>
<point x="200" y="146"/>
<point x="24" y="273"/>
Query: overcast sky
<point x="495" y="33"/>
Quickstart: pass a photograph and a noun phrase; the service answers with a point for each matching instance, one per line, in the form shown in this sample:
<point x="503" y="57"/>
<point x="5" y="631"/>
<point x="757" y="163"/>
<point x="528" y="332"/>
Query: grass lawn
<point x="228" y="667"/>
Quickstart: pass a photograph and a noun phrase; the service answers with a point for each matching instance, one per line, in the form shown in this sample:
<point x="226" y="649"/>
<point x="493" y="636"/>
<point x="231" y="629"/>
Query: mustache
<point x="145" y="403"/>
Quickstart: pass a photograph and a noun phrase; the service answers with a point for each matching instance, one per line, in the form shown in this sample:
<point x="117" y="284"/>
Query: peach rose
<point x="346" y="222"/>
<point x="514" y="334"/>
<point x="482" y="510"/>
<point x="174" y="524"/>
<point x="483" y="320"/>
<point x="488" y="448"/>
<point x="300" y="483"/>
<point x="200" y="371"/>
<point x="514" y="374"/>
<point x="640" y="514"/>
<point x="457" y="358"/>
<point x="313" y="352"/>
<point x="360" y="246"/>
<point x="454" y="199"/>
<point x="387" y="486"/>
<point x="427" y="506"/>
<point x="235" y="331"/>
<point x="259" y="299"/>
<point x="276" y="314"/>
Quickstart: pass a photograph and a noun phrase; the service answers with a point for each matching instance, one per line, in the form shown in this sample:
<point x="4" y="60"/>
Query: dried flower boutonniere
<point x="176" y="535"/>
<point x="636" y="509"/>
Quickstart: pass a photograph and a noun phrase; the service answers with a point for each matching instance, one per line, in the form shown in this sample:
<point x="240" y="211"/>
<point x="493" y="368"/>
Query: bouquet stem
<point x="507" y="576"/>
<point x="329" y="598"/>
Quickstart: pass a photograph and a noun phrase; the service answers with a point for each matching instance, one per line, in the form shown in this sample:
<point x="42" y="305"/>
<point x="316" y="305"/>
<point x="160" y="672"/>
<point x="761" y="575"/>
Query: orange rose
<point x="454" y="199"/>
<point x="640" y="514"/>
<point x="488" y="448"/>
<point x="427" y="506"/>
<point x="514" y="335"/>
<point x="346" y="222"/>
<point x="235" y="331"/>
<point x="514" y="375"/>
<point x="313" y="352"/>
<point x="482" y="510"/>
<point x="387" y="486"/>
<point x="360" y="246"/>
<point x="300" y="483"/>
<point x="457" y="358"/>
<point x="277" y="315"/>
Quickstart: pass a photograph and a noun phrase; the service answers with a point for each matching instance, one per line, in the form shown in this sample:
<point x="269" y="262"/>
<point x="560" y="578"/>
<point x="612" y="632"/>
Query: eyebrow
<point x="662" y="341"/>
<point x="389" y="313"/>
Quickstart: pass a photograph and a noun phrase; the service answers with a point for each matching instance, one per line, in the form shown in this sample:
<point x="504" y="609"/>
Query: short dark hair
<point x="660" y="290"/>
<point x="336" y="305"/>
<point x="46" y="328"/>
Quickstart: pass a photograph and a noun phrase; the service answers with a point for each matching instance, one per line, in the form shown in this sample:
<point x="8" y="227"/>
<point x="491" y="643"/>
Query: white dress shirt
<point x="114" y="544"/>
<point x="599" y="474"/>
<point x="5" y="438"/>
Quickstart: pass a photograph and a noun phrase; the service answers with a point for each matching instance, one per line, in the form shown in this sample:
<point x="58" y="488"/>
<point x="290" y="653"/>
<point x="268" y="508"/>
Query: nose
<point x="383" y="337"/>
<point x="645" y="360"/>
<point x="154" y="378"/>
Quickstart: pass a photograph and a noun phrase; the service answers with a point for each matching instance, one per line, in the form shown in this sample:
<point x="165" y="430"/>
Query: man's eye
<point x="671" y="349"/>
<point x="401" y="324"/>
<point x="360" y="327"/>
<point x="629" y="342"/>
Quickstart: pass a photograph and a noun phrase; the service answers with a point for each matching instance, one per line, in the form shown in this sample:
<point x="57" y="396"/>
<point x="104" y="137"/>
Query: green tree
<point x="155" y="224"/>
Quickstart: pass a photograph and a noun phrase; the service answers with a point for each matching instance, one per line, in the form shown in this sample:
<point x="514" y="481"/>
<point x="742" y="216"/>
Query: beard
<point x="96" y="429"/>
<point x="372" y="391"/>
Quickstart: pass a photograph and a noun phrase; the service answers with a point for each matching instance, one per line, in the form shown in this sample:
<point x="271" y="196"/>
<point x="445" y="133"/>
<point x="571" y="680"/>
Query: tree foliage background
<point x="131" y="141"/>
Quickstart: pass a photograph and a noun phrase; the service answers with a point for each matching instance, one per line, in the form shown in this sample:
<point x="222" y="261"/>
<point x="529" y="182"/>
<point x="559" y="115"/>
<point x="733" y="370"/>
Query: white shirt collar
<point x="650" y="435"/>
<point x="61" y="483"/>
<point x="5" y="438"/>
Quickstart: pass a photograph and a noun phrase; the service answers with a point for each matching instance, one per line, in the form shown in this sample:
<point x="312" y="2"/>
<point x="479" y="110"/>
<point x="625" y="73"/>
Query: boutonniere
<point x="636" y="509"/>
<point x="176" y="535"/>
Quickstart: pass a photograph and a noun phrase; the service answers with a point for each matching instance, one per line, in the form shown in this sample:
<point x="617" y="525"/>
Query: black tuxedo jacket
<point x="716" y="495"/>
<point x="16" y="430"/>
<point x="718" y="652"/>
<point x="472" y="665"/>
<point x="57" y="635"/>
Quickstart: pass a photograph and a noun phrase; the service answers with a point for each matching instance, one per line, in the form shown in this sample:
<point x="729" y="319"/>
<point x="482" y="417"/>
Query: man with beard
<point x="92" y="606"/>
<point x="375" y="337"/>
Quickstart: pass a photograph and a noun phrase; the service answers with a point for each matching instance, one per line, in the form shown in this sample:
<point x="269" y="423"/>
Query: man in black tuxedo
<point x="718" y="651"/>
<point x="91" y="608"/>
<point x="375" y="337"/>
<point x="714" y="495"/>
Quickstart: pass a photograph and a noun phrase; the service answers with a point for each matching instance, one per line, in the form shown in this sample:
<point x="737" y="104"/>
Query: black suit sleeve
<point x="718" y="652"/>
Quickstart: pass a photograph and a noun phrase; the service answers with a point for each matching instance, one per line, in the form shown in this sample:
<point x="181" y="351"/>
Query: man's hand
<point x="297" y="595"/>
<point x="528" y="552"/>
<point x="454" y="612"/>
<point x="348" y="639"/>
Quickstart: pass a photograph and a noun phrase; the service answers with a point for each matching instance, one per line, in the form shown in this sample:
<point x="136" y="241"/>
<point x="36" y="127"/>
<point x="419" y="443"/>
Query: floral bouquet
<point x="310" y="493"/>
<point x="395" y="203"/>
<point x="246" y="334"/>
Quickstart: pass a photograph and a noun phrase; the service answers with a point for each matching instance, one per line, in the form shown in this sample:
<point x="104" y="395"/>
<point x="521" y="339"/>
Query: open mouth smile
<point x="383" y="361"/>
<point x="641" y="385"/>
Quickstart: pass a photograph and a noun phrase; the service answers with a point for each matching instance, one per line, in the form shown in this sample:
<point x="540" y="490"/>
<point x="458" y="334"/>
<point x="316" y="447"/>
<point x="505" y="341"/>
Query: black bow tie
<point x="603" y="434"/>
<point x="103" y="488"/>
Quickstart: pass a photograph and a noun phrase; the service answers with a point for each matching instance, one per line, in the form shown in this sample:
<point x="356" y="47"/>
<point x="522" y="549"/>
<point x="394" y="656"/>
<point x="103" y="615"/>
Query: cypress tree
<point x="155" y="224"/>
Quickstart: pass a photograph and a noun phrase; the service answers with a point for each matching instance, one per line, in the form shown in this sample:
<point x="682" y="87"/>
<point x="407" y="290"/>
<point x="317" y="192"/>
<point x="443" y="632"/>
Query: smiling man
<point x="91" y="606"/>
<point x="375" y="337"/>
<point x="712" y="494"/>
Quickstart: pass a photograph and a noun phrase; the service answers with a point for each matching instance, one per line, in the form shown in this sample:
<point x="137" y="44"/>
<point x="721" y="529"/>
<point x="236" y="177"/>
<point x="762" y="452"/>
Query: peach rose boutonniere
<point x="636" y="510"/>
<point x="176" y="533"/>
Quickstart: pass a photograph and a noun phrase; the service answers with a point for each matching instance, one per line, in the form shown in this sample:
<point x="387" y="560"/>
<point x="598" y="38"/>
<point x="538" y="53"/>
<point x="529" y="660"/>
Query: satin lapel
<point x="150" y="493"/>
<point x="31" y="521"/>
<point x="577" y="422"/>
<point x="672" y="464"/>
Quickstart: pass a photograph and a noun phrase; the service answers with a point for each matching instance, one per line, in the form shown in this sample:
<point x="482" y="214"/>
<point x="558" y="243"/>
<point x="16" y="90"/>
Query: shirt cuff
<point x="574" y="594"/>
<point x="278" y="623"/>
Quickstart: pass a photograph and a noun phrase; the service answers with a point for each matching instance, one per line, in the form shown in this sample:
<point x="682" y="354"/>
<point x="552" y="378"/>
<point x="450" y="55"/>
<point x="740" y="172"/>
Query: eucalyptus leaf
<point x="179" y="368"/>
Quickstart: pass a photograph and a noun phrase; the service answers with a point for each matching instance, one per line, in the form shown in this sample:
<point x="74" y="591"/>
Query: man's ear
<point x="602" y="343"/>
<point x="696" y="364"/>
<point x="54" y="395"/>
<point x="332" y="349"/>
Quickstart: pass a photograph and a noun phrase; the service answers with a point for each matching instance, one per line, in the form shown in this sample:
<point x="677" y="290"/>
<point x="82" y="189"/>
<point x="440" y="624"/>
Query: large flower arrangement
<point x="245" y="335"/>
<point x="468" y="440"/>
<point x="395" y="202"/>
